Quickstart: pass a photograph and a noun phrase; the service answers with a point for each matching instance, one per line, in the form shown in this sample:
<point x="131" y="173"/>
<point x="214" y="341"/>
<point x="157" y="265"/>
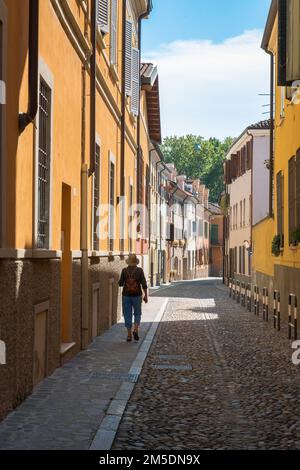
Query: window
<point x="280" y="206"/>
<point x="114" y="32"/>
<point x="44" y="156"/>
<point x="102" y="14"/>
<point x="205" y="229"/>
<point x="294" y="195"/>
<point x="131" y="216"/>
<point x="282" y="103"/>
<point x="243" y="260"/>
<point x="288" y="42"/>
<point x="112" y="206"/>
<point x="214" y="234"/>
<point x="96" y="197"/>
<point x="240" y="260"/>
<point x="244" y="213"/>
<point x="241" y="214"/>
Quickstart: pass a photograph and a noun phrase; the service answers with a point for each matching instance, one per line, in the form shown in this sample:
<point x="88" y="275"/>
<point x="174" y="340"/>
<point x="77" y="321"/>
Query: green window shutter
<point x="214" y="238"/>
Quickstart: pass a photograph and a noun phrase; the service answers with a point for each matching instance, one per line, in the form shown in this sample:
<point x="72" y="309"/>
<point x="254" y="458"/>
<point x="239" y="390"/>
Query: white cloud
<point x="212" y="89"/>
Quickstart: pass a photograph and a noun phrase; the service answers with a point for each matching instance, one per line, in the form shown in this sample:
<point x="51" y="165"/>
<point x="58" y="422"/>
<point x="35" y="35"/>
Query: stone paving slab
<point x="66" y="410"/>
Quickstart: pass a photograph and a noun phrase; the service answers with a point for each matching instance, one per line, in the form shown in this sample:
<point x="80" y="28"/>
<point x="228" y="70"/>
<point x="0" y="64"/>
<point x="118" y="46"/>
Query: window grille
<point x="96" y="201"/>
<point x="44" y="165"/>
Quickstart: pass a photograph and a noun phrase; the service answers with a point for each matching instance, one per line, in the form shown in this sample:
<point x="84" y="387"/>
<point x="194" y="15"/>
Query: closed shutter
<point x="282" y="31"/>
<point x="279" y="204"/>
<point x="128" y="58"/>
<point x="214" y="238"/>
<point x="102" y="15"/>
<point x="238" y="164"/>
<point x="298" y="190"/>
<point x="113" y="32"/>
<point x="135" y="94"/>
<point x="293" y="41"/>
<point x="292" y="194"/>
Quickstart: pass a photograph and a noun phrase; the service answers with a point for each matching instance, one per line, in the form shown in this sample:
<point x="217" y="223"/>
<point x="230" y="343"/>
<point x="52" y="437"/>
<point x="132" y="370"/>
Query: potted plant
<point x="276" y="245"/>
<point x="295" y="237"/>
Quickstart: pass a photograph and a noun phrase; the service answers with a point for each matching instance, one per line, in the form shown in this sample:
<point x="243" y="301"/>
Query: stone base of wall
<point x="24" y="284"/>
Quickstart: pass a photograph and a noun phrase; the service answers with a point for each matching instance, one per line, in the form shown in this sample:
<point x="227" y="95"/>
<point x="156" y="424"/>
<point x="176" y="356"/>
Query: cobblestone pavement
<point x="216" y="377"/>
<point x="65" y="410"/>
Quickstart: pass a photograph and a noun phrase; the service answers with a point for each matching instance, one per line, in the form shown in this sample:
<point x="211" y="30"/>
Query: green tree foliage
<point x="196" y="158"/>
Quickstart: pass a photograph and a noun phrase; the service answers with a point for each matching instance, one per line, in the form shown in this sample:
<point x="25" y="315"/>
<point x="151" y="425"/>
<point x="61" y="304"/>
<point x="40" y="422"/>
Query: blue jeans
<point x="132" y="306"/>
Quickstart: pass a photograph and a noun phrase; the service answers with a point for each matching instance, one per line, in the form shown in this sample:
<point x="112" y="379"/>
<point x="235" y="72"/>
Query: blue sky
<point x="210" y="64"/>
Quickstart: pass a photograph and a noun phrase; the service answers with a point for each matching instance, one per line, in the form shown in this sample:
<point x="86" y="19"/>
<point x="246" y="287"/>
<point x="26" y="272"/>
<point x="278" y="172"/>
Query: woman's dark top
<point x="138" y="274"/>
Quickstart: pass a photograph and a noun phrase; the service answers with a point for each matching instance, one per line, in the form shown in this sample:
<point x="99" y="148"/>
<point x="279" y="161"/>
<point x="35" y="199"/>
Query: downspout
<point x="85" y="172"/>
<point x="93" y="89"/>
<point x="160" y="225"/>
<point x="195" y="205"/>
<point x="140" y="19"/>
<point x="33" y="46"/>
<point x="123" y="101"/>
<point x="271" y="212"/>
<point x="251" y="208"/>
<point x="150" y="213"/>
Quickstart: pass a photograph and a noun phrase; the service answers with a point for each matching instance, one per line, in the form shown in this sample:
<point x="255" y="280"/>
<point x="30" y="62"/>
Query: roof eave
<point x="269" y="25"/>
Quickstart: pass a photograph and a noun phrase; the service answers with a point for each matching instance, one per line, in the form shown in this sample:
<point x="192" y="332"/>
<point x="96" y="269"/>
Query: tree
<point x="198" y="158"/>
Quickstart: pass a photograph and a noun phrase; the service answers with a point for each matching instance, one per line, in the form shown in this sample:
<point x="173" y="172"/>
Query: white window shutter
<point x="102" y="13"/>
<point x="128" y="58"/>
<point x="135" y="95"/>
<point x="114" y="32"/>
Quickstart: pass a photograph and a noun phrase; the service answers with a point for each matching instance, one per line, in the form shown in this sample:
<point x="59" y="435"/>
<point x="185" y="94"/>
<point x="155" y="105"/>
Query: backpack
<point x="131" y="285"/>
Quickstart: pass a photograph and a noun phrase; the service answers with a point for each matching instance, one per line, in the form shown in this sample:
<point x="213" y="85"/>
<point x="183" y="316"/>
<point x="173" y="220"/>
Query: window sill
<point x="294" y="247"/>
<point x="65" y="347"/>
<point x="11" y="253"/>
<point x="100" y="40"/>
<point x="114" y="73"/>
<point x="133" y="117"/>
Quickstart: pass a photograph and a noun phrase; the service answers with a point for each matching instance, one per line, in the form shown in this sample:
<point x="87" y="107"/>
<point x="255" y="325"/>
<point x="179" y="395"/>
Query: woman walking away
<point x="133" y="280"/>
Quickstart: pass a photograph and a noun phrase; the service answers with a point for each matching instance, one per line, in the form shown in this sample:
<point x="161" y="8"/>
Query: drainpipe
<point x="33" y="46"/>
<point x="149" y="212"/>
<point x="123" y="101"/>
<point x="93" y="89"/>
<point x="84" y="257"/>
<point x="84" y="208"/>
<point x="271" y="212"/>
<point x="140" y="19"/>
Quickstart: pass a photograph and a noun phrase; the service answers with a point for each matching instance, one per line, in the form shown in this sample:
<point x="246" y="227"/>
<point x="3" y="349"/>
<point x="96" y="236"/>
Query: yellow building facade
<point x="280" y="270"/>
<point x="70" y="134"/>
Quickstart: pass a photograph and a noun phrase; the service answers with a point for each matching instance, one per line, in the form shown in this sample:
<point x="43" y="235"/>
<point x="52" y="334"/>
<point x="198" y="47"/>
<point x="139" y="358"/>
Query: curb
<point x="109" y="426"/>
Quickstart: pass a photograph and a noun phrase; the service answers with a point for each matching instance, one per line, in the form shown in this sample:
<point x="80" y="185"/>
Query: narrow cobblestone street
<point x="216" y="377"/>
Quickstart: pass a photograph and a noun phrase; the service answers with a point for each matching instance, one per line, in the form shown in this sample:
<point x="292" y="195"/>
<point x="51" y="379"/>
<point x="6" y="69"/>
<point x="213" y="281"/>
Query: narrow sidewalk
<point x="80" y="406"/>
